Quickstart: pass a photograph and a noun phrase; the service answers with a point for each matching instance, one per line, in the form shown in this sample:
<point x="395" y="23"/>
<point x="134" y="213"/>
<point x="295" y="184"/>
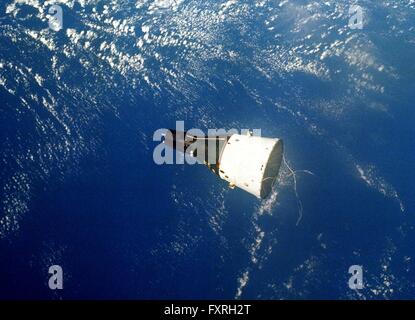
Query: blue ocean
<point x="79" y="187"/>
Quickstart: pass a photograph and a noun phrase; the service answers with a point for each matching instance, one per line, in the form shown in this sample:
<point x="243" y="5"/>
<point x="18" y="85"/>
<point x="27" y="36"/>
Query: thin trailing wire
<point x="299" y="203"/>
<point x="267" y="178"/>
<point x="302" y="171"/>
<point x="292" y="173"/>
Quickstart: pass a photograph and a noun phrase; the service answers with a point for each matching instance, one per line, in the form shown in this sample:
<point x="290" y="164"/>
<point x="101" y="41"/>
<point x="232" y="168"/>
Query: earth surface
<point x="79" y="187"/>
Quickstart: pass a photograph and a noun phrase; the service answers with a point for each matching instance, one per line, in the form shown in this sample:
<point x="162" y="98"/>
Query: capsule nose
<point x="168" y="138"/>
<point x="178" y="140"/>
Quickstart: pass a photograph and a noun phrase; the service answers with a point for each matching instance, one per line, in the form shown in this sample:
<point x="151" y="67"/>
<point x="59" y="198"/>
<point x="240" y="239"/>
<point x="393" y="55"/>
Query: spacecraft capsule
<point x="248" y="162"/>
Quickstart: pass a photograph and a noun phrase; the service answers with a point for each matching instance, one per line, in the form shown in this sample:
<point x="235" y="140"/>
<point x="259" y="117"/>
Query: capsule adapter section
<point x="251" y="163"/>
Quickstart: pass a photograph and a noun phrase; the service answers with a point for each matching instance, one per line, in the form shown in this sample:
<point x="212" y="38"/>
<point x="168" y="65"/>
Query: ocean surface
<point x="79" y="187"/>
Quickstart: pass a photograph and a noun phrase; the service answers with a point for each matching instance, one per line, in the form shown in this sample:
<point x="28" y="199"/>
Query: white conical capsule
<point x="251" y="163"/>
